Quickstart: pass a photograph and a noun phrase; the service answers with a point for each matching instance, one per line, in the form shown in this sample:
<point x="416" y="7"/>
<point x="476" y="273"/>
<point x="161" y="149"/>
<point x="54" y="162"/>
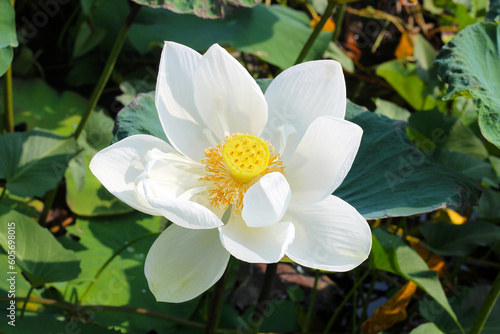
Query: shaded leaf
<point x="87" y="39"/>
<point x="469" y="64"/>
<point x="42" y="258"/>
<point x="33" y="162"/>
<point x="428" y="328"/>
<point x="6" y="55"/>
<point x="458" y="240"/>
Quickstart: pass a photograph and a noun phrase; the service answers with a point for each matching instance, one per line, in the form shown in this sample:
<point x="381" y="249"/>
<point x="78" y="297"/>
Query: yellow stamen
<point x="235" y="165"/>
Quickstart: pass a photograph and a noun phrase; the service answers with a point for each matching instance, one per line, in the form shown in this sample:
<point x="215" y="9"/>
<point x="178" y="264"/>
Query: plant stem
<point x="339" y="20"/>
<point x="344" y="301"/>
<point x="4" y="190"/>
<point x="486" y="308"/>
<point x="216" y="304"/>
<point x="140" y="311"/>
<point x="326" y="15"/>
<point x="26" y="301"/>
<point x="263" y="301"/>
<point x="311" y="302"/>
<point x="9" y="104"/>
<point x="108" y="68"/>
<point x="115" y="254"/>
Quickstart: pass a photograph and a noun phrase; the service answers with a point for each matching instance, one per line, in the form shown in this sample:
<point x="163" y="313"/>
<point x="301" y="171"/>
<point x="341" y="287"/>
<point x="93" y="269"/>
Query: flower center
<point x="233" y="166"/>
<point x="246" y="157"/>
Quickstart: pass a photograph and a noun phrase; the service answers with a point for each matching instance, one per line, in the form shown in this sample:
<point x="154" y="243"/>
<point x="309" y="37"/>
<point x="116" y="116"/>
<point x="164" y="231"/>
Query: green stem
<point x="216" y="304"/>
<point x="305" y="329"/>
<point x="328" y="12"/>
<point x="26" y="301"/>
<point x="9" y="103"/>
<point x="115" y="254"/>
<point x="344" y="301"/>
<point x="486" y="308"/>
<point x="339" y="20"/>
<point x="4" y="190"/>
<point x="51" y="195"/>
<point x="139" y="311"/>
<point x="108" y="68"/>
<point x="263" y="301"/>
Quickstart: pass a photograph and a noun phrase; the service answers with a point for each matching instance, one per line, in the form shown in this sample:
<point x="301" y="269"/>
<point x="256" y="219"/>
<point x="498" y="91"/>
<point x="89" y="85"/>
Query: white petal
<point x="175" y="100"/>
<point x="322" y="159"/>
<point x="119" y="165"/>
<point x="256" y="244"/>
<point x="182" y="212"/>
<point x="301" y="94"/>
<point x="330" y="235"/>
<point x="183" y="263"/>
<point x="266" y="201"/>
<point x="226" y="96"/>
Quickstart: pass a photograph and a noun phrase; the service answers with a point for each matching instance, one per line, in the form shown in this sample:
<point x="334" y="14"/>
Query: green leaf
<point x="401" y="170"/>
<point x="434" y="129"/>
<point x="488" y="207"/>
<point x="336" y="53"/>
<point x="458" y="240"/>
<point x="6" y="55"/>
<point x="466" y="303"/>
<point x="275" y="33"/>
<point x="39" y="105"/>
<point x="392" y="110"/>
<point x="33" y="162"/>
<point x="203" y="8"/>
<point x="139" y="117"/>
<point x="403" y="77"/>
<point x="85" y="194"/>
<point x="391" y="254"/>
<point x="87" y="39"/>
<point x="428" y="328"/>
<point x="122" y="283"/>
<point x="469" y="64"/>
<point x="494" y="11"/>
<point x="7" y="25"/>
<point x="42" y="258"/>
<point x="471" y="166"/>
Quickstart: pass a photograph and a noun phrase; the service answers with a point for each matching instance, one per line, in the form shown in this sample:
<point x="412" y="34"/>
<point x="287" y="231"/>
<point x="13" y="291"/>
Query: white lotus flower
<point x="274" y="159"/>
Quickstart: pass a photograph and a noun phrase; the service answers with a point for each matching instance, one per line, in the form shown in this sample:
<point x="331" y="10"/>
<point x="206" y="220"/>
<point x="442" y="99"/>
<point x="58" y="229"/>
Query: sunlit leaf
<point x="7" y="25"/>
<point x="428" y="328"/>
<point x="42" y="258"/>
<point x="122" y="283"/>
<point x="391" y="254"/>
<point x="33" y="162"/>
<point x="469" y="64"/>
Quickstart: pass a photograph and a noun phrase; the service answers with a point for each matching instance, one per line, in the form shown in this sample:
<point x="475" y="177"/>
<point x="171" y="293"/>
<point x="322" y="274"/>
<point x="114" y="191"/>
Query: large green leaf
<point x="391" y="254"/>
<point x="39" y="105"/>
<point x="391" y="177"/>
<point x="122" y="283"/>
<point x="203" y="8"/>
<point x="7" y="25"/>
<point x="33" y="162"/>
<point x="85" y="194"/>
<point x="432" y="129"/>
<point x="410" y="184"/>
<point x="428" y="328"/>
<point x="469" y="63"/>
<point x="275" y="34"/>
<point x="42" y="258"/>
<point x="458" y="240"/>
<point x="466" y="303"/>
